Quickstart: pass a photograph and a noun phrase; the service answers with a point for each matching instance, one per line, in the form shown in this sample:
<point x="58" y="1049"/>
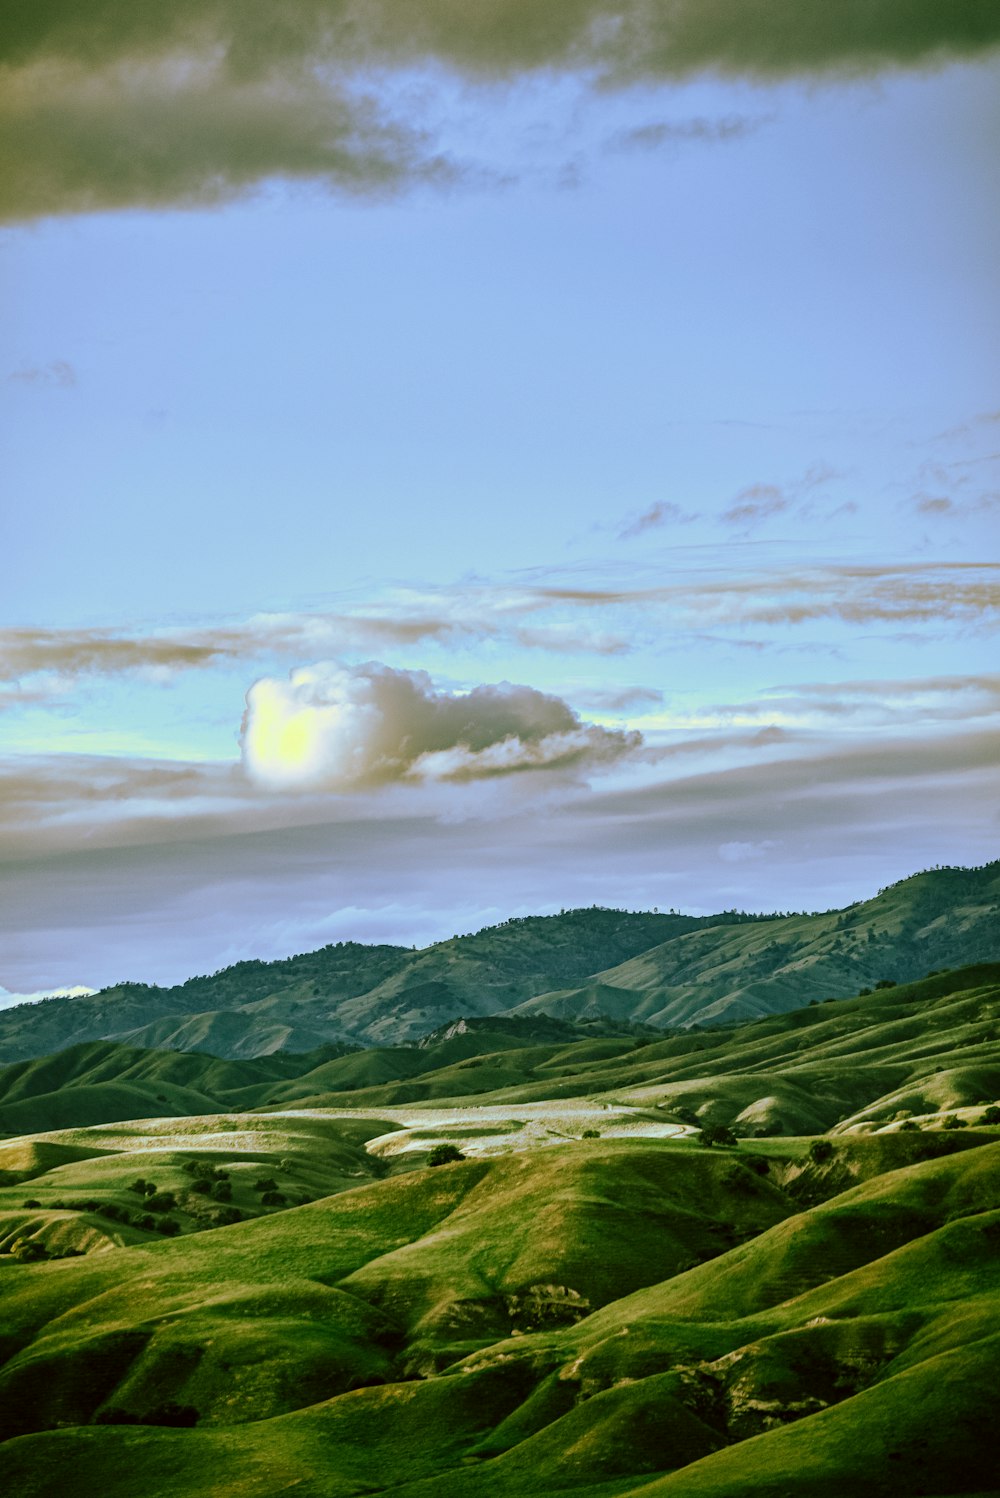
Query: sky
<point x="467" y="461"/>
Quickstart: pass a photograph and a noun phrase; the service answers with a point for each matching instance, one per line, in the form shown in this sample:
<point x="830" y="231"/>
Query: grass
<point x="627" y="1314"/>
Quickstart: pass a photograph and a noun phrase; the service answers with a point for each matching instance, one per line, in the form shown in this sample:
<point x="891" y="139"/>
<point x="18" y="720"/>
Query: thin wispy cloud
<point x="663" y="513"/>
<point x="756" y="503"/>
<point x="759" y="502"/>
<point x="541" y="616"/>
<point x="933" y="699"/>
<point x="58" y="373"/>
<point x="663" y="134"/>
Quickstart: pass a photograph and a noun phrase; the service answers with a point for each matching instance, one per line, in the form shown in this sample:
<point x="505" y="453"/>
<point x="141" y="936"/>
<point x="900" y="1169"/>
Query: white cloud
<point x="8" y="1000"/>
<point x="742" y="852"/>
<point x="336" y="728"/>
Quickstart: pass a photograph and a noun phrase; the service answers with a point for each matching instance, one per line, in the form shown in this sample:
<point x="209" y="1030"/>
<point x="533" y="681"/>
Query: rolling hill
<point x="591" y="1242"/>
<point x="603" y="1316"/>
<point x="665" y="971"/>
<point x="919" y="1051"/>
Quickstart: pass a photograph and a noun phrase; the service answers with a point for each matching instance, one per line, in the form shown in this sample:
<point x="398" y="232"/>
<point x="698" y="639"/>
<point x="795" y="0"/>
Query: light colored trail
<point x="504" y="1128"/>
<point x="478" y="1131"/>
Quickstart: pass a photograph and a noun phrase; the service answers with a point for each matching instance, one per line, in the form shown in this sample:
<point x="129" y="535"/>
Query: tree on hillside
<point x="444" y="1154"/>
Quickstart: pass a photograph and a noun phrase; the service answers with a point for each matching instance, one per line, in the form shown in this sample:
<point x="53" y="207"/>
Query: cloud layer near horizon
<point x="344" y="729"/>
<point x="114" y="104"/>
<point x="165" y="870"/>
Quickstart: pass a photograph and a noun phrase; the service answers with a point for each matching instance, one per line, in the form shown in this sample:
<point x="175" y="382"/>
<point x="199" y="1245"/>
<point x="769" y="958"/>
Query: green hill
<point x="664" y="971"/>
<point x="944" y="918"/>
<point x="599" y="1317"/>
<point x="344" y="993"/>
<point x="739" y="1258"/>
<point x="916" y="1053"/>
<point x="919" y="1053"/>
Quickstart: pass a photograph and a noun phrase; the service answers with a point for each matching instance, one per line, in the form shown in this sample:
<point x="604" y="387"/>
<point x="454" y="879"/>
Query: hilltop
<point x="664" y="971"/>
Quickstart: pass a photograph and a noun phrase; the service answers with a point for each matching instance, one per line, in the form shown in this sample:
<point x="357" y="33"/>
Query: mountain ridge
<point x="667" y="971"/>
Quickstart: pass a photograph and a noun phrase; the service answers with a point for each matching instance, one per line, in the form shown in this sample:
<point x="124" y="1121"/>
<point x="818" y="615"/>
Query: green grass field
<point x="592" y="1302"/>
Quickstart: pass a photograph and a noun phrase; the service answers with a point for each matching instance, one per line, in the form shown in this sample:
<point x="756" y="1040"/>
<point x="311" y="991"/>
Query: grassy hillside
<point x="81" y="1189"/>
<point x="665" y="971"/>
<point x="944" y="918"/>
<point x="599" y="1317"/>
<point x="923" y="1054"/>
<point x="920" y="1053"/>
<point x="738" y="1261"/>
<point x="347" y="992"/>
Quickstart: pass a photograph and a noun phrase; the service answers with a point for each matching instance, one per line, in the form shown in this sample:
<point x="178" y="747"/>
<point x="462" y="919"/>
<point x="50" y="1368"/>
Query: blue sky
<point x="457" y="470"/>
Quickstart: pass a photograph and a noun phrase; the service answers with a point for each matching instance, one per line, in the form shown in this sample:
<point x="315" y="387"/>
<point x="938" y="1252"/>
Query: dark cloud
<point x="113" y="102"/>
<point x="178" y="132"/>
<point x="789" y="778"/>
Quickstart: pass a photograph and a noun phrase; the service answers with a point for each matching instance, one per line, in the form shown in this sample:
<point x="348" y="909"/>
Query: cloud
<point x="180" y="130"/>
<point x="658" y="134"/>
<point x="10" y="1000"/>
<point x="755" y="503"/>
<point x="26" y="652"/>
<point x="931" y="699"/>
<point x="106" y="652"/>
<point x="616" y="699"/>
<point x="934" y="506"/>
<point x="742" y="852"/>
<point x="114" y="103"/>
<point x="160" y="900"/>
<point x="58" y="372"/>
<point x="339" y="729"/>
<point x="758" y="502"/>
<point x="534" y="614"/>
<point x="660" y="514"/>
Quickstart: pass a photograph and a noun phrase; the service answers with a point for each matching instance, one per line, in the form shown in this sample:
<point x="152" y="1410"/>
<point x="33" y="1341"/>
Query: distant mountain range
<point x="598" y="966"/>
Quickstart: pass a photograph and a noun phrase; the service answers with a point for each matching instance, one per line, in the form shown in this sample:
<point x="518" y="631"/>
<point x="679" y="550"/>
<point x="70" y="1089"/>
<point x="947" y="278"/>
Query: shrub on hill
<point x="170" y="1414"/>
<point x="28" y="1250"/>
<point x="444" y="1154"/>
